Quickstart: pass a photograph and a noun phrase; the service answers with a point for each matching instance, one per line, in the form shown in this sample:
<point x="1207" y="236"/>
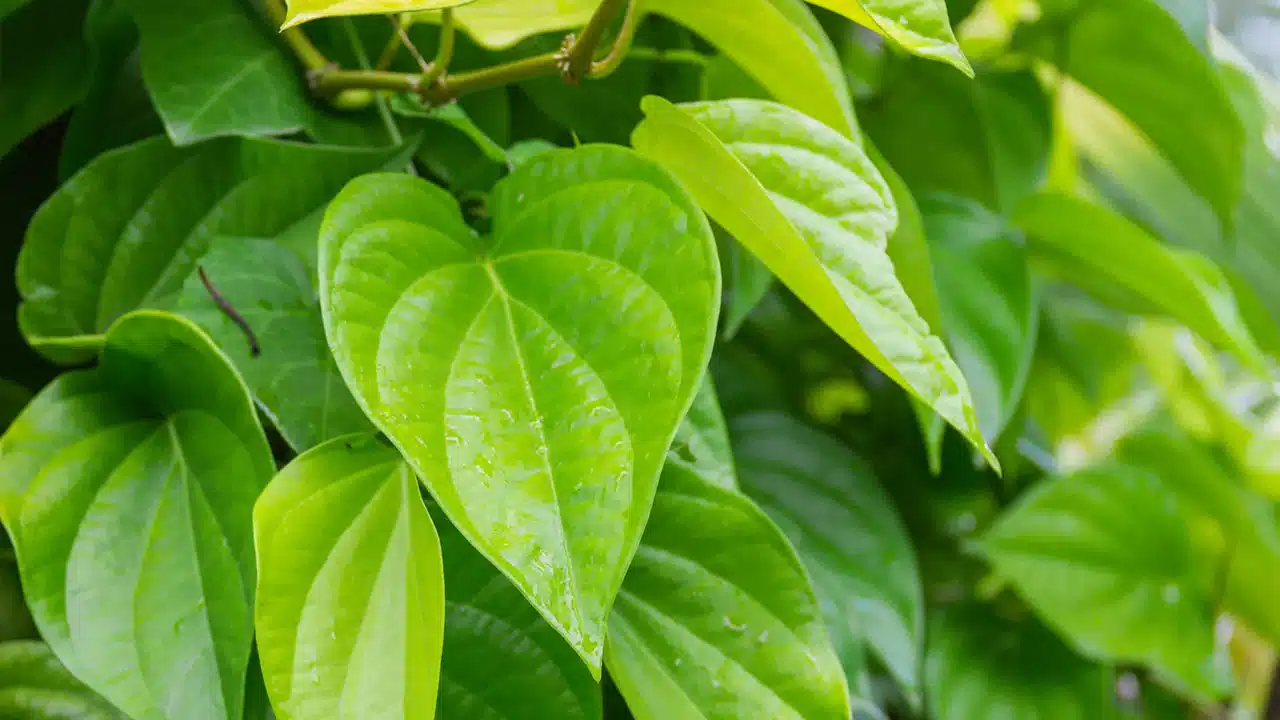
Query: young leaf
<point x="301" y="11"/>
<point x="716" y="618"/>
<point x="990" y="304"/>
<point x="983" y="667"/>
<point x="1117" y="563"/>
<point x="810" y="204"/>
<point x="846" y="531"/>
<point x="919" y="26"/>
<point x="128" y="491"/>
<point x="350" y="605"/>
<point x="33" y="684"/>
<point x="282" y="356"/>
<point x="213" y="69"/>
<point x="44" y="66"/>
<point x="538" y="414"/>
<point x="499" y="24"/>
<point x="1098" y="249"/>
<point x="127" y="231"/>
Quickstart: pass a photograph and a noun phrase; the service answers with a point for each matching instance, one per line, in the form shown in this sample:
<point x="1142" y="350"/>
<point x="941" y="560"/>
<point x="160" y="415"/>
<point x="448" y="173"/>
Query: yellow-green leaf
<point x="920" y="26"/>
<point x="499" y="24"/>
<point x="301" y="11"/>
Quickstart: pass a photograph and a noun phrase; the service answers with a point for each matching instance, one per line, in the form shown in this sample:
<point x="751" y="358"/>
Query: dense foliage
<point x="665" y="359"/>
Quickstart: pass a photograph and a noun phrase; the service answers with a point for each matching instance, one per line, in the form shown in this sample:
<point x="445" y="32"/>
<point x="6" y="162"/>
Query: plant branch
<point x="622" y="45"/>
<point x="582" y="49"/>
<point x="299" y="44"/>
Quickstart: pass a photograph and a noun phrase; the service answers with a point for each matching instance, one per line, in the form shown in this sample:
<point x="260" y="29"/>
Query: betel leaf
<point x="919" y="26"/>
<point x="128" y="491"/>
<point x="499" y="24"/>
<point x="846" y="530"/>
<point x="44" y="66"/>
<point x="213" y="69"/>
<point x="301" y="11"/>
<point x="1169" y="90"/>
<point x="1121" y="567"/>
<point x="538" y="414"/>
<point x="292" y="374"/>
<point x="810" y="204"/>
<point x="716" y="618"/>
<point x="35" y="686"/>
<point x="1098" y="249"/>
<point x="16" y="622"/>
<point x="981" y="666"/>
<point x="702" y="440"/>
<point x="778" y="43"/>
<point x="127" y="230"/>
<point x="990" y="303"/>
<point x="350" y="603"/>
<point x="490" y="624"/>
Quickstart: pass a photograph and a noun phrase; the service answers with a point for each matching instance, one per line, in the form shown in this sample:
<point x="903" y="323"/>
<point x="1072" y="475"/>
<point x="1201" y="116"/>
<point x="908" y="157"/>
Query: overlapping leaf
<point x="350" y="604"/>
<point x="44" y="66"/>
<point x="919" y="26"/>
<point x="301" y="11"/>
<point x="538" y="413"/>
<point x="128" y="491"/>
<point x="702" y="441"/>
<point x="128" y="230"/>
<point x="33" y="684"/>
<point x="716" y="618"/>
<point x="810" y="204"/>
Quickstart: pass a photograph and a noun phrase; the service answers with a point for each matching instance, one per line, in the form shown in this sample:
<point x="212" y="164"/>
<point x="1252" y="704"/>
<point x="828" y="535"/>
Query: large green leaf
<point x="538" y="413"/>
<point x="846" y="530"/>
<point x="293" y="375"/>
<point x="990" y="304"/>
<point x="1093" y="247"/>
<point x="1122" y="567"/>
<point x="1169" y="90"/>
<point x="128" y="491"/>
<point x="45" y="64"/>
<point x="301" y="11"/>
<point x="128" y="230"/>
<point x="919" y="26"/>
<point x="984" y="667"/>
<point x="810" y="204"/>
<point x="213" y="69"/>
<point x="702" y="441"/>
<point x="35" y="686"/>
<point x="716" y="618"/>
<point x="350" y="604"/>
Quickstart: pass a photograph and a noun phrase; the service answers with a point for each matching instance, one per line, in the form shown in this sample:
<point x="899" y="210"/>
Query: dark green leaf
<point x="35" y="686"/>
<point x="45" y="66"/>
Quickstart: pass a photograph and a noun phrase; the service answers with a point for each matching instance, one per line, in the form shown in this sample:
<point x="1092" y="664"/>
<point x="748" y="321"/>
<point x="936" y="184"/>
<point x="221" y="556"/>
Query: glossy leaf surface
<point x="292" y="375"/>
<point x="702" y="441"/>
<point x="128" y="491"/>
<point x="301" y="11"/>
<point x="919" y="26"/>
<point x="499" y="24"/>
<point x="127" y="231"/>
<point x="716" y="618"/>
<point x="811" y="206"/>
<point x="846" y="531"/>
<point x="35" y="686"/>
<point x="350" y="605"/>
<point x="538" y="413"/>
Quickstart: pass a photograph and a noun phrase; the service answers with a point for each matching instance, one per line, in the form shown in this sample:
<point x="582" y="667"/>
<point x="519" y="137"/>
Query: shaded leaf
<point x="45" y="65"/>
<point x="350" y="604"/>
<point x="810" y="204"/>
<point x="702" y="440"/>
<point x="716" y="618"/>
<point x="35" y="686"/>
<point x="538" y="414"/>
<point x="128" y="491"/>
<point x="16" y="622"/>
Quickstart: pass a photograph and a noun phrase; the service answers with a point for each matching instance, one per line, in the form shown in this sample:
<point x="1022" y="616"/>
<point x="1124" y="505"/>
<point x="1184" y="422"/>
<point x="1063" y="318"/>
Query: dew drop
<point x="1171" y="594"/>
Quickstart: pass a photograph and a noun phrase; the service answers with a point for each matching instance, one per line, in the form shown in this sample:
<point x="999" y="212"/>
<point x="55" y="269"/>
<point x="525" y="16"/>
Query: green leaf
<point x="1119" y="565"/>
<point x="919" y="26"/>
<point x="538" y="414"/>
<point x="702" y="440"/>
<point x="499" y="24"/>
<point x="1169" y="90"/>
<point x="846" y="530"/>
<point x="491" y="625"/>
<point x="127" y="231"/>
<point x="908" y="248"/>
<point x="458" y="152"/>
<point x="301" y="11"/>
<point x="350" y="604"/>
<point x="984" y="667"/>
<point x="213" y="69"/>
<point x="1098" y="249"/>
<point x="780" y="44"/>
<point x="16" y="622"/>
<point x="128" y="491"/>
<point x="716" y="618"/>
<point x="810" y="204"/>
<point x="35" y="686"/>
<point x="990" y="304"/>
<point x="44" y="66"/>
<point x="293" y="377"/>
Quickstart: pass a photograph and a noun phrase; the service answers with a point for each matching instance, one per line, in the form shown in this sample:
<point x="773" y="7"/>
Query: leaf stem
<point x="230" y="311"/>
<point x="299" y="44"/>
<point x="581" y="50"/>
<point x="622" y="45"/>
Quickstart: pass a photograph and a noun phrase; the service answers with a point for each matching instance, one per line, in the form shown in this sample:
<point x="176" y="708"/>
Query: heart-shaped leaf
<point x="716" y="618"/>
<point x="33" y="684"/>
<point x="128" y="491"/>
<point x="810" y="204"/>
<point x="533" y="380"/>
<point x="350" y="604"/>
<point x="127" y="230"/>
<point x="301" y="11"/>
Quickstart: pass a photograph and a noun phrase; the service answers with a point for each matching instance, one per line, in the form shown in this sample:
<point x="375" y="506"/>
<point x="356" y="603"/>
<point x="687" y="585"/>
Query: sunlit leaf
<point x="919" y="26"/>
<point x="301" y="11"/>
